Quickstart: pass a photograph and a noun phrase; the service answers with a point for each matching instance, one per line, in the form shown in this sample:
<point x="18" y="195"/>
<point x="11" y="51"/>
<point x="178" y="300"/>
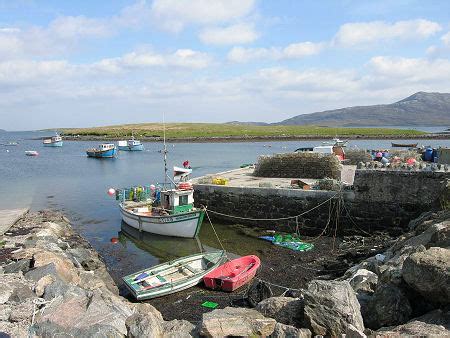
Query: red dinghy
<point x="233" y="274"/>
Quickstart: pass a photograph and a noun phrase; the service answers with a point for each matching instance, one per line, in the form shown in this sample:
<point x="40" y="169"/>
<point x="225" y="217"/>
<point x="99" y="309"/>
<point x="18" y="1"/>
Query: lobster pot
<point x="136" y="194"/>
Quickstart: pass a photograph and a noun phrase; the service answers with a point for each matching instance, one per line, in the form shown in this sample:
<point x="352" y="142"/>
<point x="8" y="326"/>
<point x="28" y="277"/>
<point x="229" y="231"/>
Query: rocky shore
<point x="52" y="283"/>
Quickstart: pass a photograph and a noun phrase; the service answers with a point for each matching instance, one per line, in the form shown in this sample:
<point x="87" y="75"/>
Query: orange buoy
<point x="114" y="240"/>
<point x="184" y="186"/>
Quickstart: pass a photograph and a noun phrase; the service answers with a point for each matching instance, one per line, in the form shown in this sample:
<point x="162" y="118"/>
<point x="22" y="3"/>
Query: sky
<point x="91" y="63"/>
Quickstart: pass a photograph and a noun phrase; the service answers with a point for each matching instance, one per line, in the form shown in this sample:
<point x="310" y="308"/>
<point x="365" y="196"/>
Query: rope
<point x="36" y="303"/>
<point x="275" y="219"/>
<point x="277" y="285"/>
<point x="215" y="233"/>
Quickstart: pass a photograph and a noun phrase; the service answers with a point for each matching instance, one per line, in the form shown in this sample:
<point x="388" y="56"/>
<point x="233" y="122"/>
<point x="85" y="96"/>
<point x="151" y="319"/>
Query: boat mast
<point x="165" y="151"/>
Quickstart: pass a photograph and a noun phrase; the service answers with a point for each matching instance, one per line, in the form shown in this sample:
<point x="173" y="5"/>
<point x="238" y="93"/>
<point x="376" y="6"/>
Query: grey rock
<point x="236" y="322"/>
<point x="5" y="312"/>
<point x="429" y="274"/>
<point x="39" y="272"/>
<point x="288" y="331"/>
<point x="21" y="293"/>
<point x="178" y="329"/>
<point x="6" y="290"/>
<point x="413" y="329"/>
<point x="51" y="330"/>
<point x="144" y="323"/>
<point x="363" y="280"/>
<point x="22" y="312"/>
<point x="388" y="306"/>
<point x="21" y="265"/>
<point x="284" y="310"/>
<point x="330" y="306"/>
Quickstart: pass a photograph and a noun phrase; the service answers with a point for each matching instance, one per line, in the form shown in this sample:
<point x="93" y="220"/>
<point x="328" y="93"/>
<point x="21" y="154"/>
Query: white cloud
<point x="175" y="14"/>
<point x="69" y="27"/>
<point x="292" y="51"/>
<point x="241" y="33"/>
<point x="366" y="33"/>
<point x="183" y="58"/>
<point x="446" y="39"/>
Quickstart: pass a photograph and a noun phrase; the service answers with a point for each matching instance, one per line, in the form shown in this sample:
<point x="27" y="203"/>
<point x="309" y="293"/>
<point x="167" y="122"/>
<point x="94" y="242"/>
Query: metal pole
<point x="165" y="151"/>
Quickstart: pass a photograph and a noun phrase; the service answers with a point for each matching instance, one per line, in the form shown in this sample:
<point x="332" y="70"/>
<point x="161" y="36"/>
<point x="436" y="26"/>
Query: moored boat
<point x="168" y="212"/>
<point x="336" y="142"/>
<point x="11" y="144"/>
<point x="404" y="145"/>
<point x="54" y="141"/>
<point x="233" y="274"/>
<point x="31" y="153"/>
<point x="131" y="145"/>
<point x="105" y="150"/>
<point x="173" y="276"/>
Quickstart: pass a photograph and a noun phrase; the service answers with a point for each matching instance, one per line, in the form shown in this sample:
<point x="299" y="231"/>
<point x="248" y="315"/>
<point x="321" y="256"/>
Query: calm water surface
<point x="65" y="179"/>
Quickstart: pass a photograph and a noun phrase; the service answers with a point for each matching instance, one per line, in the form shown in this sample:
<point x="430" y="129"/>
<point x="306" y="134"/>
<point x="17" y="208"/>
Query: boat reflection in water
<point x="164" y="248"/>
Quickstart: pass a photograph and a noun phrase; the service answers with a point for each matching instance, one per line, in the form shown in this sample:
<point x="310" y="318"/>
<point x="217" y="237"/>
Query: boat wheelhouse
<point x="105" y="150"/>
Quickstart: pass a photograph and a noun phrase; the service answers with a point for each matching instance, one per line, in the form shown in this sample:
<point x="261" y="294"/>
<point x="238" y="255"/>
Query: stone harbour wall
<point x="380" y="200"/>
<point x="301" y="164"/>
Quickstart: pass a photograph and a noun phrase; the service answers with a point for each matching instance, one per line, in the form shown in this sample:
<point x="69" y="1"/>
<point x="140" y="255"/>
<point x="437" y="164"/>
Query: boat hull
<point x="139" y="147"/>
<point x="54" y="144"/>
<point x="401" y="145"/>
<point x="102" y="154"/>
<point x="233" y="274"/>
<point x="215" y="259"/>
<point x="185" y="225"/>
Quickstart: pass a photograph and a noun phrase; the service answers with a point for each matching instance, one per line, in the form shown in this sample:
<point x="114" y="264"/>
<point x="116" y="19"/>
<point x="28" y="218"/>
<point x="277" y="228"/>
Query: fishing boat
<point x="163" y="211"/>
<point x="54" y="141"/>
<point x="173" y="276"/>
<point x="404" y="145"/>
<point x="233" y="274"/>
<point x="105" y="150"/>
<point x="11" y="144"/>
<point x="166" y="209"/>
<point x="31" y="153"/>
<point x="131" y="145"/>
<point x="336" y="142"/>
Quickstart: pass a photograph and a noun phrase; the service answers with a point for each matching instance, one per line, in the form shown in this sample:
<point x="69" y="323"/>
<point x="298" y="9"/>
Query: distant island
<point x="420" y="109"/>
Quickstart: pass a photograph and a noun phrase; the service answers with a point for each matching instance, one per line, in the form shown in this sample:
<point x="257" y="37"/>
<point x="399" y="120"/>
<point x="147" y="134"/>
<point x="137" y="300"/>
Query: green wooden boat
<point x="173" y="276"/>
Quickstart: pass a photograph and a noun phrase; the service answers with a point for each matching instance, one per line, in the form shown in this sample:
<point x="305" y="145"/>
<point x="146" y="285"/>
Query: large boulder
<point x="284" y="310"/>
<point x="330" y="306"/>
<point x="288" y="331"/>
<point x="81" y="311"/>
<point x="64" y="266"/>
<point x="388" y="306"/>
<point x="428" y="273"/>
<point x="178" y="329"/>
<point x="145" y="322"/>
<point x="236" y="322"/>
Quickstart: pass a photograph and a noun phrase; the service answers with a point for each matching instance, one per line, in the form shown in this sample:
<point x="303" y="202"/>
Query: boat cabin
<point x="106" y="146"/>
<point x="177" y="200"/>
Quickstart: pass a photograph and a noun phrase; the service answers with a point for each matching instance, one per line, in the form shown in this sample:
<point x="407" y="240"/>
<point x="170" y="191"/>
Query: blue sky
<point x="86" y="63"/>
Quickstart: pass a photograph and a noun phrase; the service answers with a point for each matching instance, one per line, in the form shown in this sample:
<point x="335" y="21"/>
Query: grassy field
<point x="215" y="130"/>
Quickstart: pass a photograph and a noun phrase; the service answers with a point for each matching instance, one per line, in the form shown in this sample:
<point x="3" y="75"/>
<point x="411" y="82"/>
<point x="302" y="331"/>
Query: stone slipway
<point x="9" y="217"/>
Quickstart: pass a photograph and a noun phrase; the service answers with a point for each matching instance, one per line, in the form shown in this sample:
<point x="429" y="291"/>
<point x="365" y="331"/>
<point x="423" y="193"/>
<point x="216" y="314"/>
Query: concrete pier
<point x="10" y="216"/>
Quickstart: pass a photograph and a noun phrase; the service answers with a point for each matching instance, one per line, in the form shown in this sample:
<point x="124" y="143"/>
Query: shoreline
<point x="225" y="139"/>
<point x="54" y="283"/>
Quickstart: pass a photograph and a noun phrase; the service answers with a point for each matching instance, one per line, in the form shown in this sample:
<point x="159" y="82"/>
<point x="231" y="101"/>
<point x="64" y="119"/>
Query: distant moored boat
<point x="54" y="141"/>
<point x="404" y="145"/>
<point x="131" y="145"/>
<point x="105" y="150"/>
<point x="31" y="153"/>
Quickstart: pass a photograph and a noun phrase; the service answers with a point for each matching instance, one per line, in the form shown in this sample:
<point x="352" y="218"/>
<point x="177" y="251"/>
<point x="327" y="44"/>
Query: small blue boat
<point x="131" y="145"/>
<point x="54" y="141"/>
<point x="105" y="150"/>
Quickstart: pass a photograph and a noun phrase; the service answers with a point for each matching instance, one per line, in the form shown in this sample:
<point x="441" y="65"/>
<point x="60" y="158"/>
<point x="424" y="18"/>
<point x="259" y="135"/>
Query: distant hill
<point x="420" y="109"/>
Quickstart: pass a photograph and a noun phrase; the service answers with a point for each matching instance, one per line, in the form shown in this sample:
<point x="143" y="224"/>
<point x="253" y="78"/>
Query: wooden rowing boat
<point x="404" y="145"/>
<point x="173" y="276"/>
<point x="233" y="274"/>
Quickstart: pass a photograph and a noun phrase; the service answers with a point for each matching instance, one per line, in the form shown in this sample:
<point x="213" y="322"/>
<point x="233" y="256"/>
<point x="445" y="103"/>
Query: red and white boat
<point x="233" y="274"/>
